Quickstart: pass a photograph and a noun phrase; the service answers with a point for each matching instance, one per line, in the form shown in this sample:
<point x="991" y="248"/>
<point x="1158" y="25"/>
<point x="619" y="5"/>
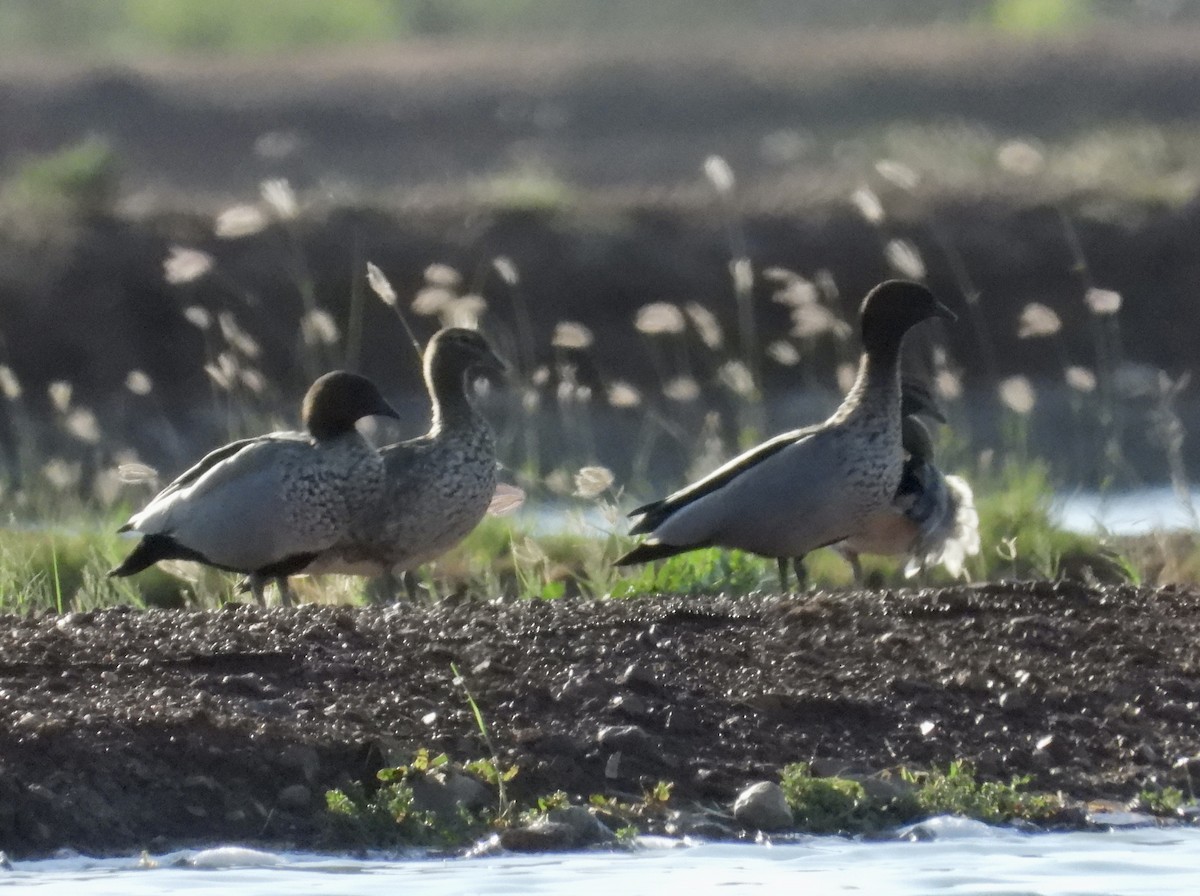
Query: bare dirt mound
<point x="123" y="729"/>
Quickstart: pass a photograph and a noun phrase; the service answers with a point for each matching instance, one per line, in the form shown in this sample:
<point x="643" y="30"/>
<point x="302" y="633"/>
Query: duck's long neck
<point x="447" y="386"/>
<point x="876" y="390"/>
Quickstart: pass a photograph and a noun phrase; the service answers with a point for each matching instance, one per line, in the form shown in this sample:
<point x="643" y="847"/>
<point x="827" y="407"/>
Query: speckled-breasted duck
<point x="437" y="487"/>
<point x="267" y="506"/>
<point x="811" y="487"/>
<point x="932" y="519"/>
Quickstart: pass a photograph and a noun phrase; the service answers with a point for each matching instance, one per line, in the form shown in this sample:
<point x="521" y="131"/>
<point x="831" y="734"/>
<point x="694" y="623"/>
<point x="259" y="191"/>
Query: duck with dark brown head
<point x="266" y="506"/>
<point x="811" y="487"/>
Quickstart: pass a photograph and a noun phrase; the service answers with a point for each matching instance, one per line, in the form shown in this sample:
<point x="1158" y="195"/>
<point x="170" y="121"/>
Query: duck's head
<point x="891" y="309"/>
<point x="338" y="400"/>
<point x="455" y="352"/>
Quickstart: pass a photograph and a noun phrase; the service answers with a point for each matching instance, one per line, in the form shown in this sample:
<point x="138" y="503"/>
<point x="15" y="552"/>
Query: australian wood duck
<point x="811" y="487"/>
<point x="437" y="487"/>
<point x="932" y="519"/>
<point x="267" y="506"/>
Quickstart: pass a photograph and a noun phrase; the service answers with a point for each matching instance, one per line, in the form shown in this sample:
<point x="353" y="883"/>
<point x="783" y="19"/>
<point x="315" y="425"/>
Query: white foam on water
<point x="963" y="858"/>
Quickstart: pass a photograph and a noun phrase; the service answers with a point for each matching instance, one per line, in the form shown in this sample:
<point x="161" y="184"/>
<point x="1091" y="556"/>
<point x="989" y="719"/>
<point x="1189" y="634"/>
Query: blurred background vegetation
<point x="663" y="211"/>
<point x="133" y="28"/>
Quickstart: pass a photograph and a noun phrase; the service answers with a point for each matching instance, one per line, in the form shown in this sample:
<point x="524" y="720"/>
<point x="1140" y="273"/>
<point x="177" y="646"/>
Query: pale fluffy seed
<point x="183" y="265"/>
<point x="623" y="395"/>
<point x="1103" y="301"/>
<point x="682" y="389"/>
<point x="279" y="195"/>
<point x="240" y="221"/>
<point x="571" y="334"/>
<point x="719" y="174"/>
<point x="659" y="318"/>
<point x="1016" y="392"/>
<point x="380" y="284"/>
<point x="138" y="382"/>
<point x="591" y="482"/>
<point x="1081" y="379"/>
<point x="1038" y="320"/>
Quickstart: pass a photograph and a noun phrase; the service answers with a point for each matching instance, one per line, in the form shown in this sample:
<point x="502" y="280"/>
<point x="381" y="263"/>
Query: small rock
<point x="1178" y="712"/>
<point x="302" y="758"/>
<point x="445" y="797"/>
<point x="296" y="797"/>
<point x="542" y="836"/>
<point x="632" y="739"/>
<point x="612" y="766"/>
<point x="698" y="824"/>
<point x="587" y="828"/>
<point x="639" y="677"/>
<point x="763" y="806"/>
<point x="581" y="687"/>
<point x="556" y="744"/>
<point x="629" y="705"/>
<point x="683" y="721"/>
<point x="1014" y="702"/>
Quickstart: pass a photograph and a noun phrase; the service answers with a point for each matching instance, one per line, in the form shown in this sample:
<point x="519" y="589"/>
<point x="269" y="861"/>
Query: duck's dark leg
<point x="781" y="565"/>
<point x="256" y="584"/>
<point x="855" y="567"/>
<point x="285" y="592"/>
<point x="801" y="573"/>
<point x="382" y="589"/>
<point x="412" y="585"/>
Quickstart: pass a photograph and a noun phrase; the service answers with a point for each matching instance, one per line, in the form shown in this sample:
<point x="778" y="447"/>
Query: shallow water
<point x="1134" y="512"/>
<point x="963" y="857"/>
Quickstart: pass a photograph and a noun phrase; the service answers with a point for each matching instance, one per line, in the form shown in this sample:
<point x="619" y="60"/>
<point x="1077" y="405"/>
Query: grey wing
<point x="237" y="512"/>
<point x="656" y="512"/>
<point x="785" y="505"/>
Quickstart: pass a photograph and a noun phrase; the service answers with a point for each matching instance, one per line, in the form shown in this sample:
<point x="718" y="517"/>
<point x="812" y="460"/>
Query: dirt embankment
<point x="121" y="730"/>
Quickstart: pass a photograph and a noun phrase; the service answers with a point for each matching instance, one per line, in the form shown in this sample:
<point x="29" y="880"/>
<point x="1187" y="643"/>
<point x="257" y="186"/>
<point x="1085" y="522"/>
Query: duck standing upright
<point x="436" y="487"/>
<point x="267" y="506"/>
<point x="811" y="487"/>
<point x="932" y="519"/>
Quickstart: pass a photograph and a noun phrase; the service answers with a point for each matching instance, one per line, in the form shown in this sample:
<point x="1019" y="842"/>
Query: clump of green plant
<point x="956" y="791"/>
<point x="1161" y="800"/>
<point x="390" y="815"/>
<point x="828" y="805"/>
<point x="846" y="805"/>
<point x="625" y="817"/>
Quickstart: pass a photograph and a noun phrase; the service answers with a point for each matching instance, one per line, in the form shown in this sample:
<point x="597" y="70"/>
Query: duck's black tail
<point x="647" y="551"/>
<point x="149" y="551"/>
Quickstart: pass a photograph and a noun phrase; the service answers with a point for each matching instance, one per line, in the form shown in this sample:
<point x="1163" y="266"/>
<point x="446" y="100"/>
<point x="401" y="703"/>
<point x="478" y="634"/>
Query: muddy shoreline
<point x="123" y="730"/>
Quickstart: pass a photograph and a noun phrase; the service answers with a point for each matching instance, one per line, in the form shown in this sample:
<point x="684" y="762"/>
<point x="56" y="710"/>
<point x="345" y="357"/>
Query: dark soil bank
<point x="122" y="729"/>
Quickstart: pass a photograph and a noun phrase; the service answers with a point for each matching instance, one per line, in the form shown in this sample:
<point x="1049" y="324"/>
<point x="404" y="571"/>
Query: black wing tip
<point x="648" y="551"/>
<point x="149" y="551"/>
<point x="128" y="527"/>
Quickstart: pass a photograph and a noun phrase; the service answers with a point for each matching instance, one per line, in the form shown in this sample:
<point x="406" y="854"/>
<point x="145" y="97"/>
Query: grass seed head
<point x="380" y="284"/>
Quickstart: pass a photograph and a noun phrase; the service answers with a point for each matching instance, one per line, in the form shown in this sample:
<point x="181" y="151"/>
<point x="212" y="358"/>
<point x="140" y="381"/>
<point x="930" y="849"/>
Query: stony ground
<point x="124" y="729"/>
